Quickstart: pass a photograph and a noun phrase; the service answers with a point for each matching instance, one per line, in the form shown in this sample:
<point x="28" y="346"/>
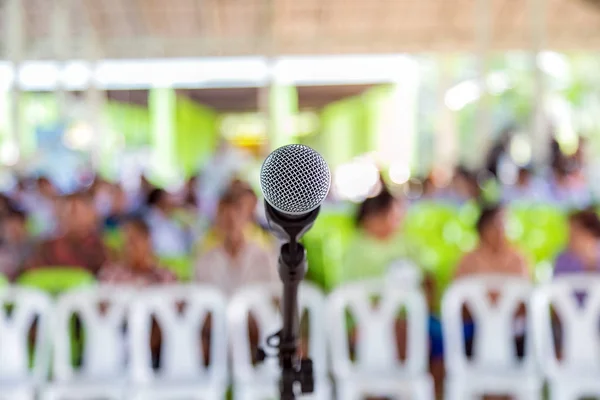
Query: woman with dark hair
<point x="374" y="252"/>
<point x="138" y="265"/>
<point x="374" y="248"/>
<point x="583" y="250"/>
<point x="494" y="254"/>
<point x="170" y="238"/>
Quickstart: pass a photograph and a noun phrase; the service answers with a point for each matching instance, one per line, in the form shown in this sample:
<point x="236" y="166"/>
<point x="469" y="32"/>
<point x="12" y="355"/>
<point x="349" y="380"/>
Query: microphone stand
<point x="292" y="269"/>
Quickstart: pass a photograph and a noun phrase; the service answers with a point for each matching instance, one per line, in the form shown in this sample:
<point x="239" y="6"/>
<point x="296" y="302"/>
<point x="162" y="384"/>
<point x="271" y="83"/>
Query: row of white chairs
<point x="117" y="363"/>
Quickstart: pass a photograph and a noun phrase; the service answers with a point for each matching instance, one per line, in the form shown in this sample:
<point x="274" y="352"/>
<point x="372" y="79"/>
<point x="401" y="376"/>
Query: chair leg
<point x="425" y="391"/>
<point x="348" y="392"/>
<point x="560" y="392"/>
<point x="528" y="394"/>
<point x="454" y="390"/>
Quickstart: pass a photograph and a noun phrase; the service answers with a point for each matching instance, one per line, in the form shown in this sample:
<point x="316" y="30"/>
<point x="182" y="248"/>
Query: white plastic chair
<point x="260" y="382"/>
<point x="17" y="381"/>
<point x="404" y="273"/>
<point x="577" y="374"/>
<point x="182" y="373"/>
<point x="494" y="367"/>
<point x="103" y="373"/>
<point x="378" y="371"/>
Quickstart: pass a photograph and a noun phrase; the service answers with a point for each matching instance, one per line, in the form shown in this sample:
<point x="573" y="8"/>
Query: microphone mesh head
<point x="295" y="179"/>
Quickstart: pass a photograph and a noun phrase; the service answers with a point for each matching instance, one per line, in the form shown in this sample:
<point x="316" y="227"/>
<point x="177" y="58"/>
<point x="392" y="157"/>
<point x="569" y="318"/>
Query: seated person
<point x="169" y="237"/>
<point x="117" y="211"/>
<point x="138" y="265"/>
<point x="235" y="260"/>
<point x="582" y="256"/>
<point x="78" y="243"/>
<point x="583" y="250"/>
<point x="15" y="245"/>
<point x="253" y="231"/>
<point x="494" y="254"/>
<point x="375" y="249"/>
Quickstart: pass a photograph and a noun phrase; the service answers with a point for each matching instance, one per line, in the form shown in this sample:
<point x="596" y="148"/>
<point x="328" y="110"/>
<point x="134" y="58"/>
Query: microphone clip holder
<point x="295" y="372"/>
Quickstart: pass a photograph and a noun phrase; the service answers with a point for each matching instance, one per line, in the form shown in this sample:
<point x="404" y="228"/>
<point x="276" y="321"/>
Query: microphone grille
<point x="295" y="179"/>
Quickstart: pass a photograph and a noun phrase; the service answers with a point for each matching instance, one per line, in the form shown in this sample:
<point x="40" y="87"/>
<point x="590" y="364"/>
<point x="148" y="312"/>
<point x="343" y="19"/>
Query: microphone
<point x="294" y="180"/>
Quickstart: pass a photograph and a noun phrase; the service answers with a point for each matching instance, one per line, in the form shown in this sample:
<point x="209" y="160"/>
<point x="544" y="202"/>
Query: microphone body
<point x="295" y="181"/>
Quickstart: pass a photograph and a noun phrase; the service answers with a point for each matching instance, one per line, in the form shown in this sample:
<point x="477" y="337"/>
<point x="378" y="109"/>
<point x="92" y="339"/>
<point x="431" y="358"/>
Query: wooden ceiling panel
<point x="155" y="28"/>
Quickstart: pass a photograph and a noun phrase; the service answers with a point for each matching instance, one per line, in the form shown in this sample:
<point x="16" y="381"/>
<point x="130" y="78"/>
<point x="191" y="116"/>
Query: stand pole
<point x="292" y="268"/>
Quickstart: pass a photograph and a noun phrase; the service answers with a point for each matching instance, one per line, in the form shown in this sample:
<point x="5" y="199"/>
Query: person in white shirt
<point x="237" y="260"/>
<point x="169" y="237"/>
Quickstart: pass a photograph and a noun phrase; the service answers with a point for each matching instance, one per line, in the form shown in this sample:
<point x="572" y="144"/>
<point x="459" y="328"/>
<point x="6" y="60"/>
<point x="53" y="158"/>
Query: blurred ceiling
<point x="247" y="99"/>
<point x="194" y="28"/>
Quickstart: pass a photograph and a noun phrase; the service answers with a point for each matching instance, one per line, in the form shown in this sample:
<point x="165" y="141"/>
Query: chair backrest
<point x="257" y="300"/>
<point x="180" y="312"/>
<point x="376" y="346"/>
<point x="576" y="302"/>
<point x="20" y="310"/>
<point x="102" y="311"/>
<point x="494" y="321"/>
<point x="404" y="273"/>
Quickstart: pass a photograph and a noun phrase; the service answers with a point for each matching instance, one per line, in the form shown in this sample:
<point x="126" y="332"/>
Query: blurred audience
<point x="118" y="210"/>
<point x="236" y="259"/>
<point x="494" y="254"/>
<point x="16" y="245"/>
<point x="138" y="266"/>
<point x="40" y="203"/>
<point x="527" y="188"/>
<point x="375" y="246"/>
<point x="78" y="243"/>
<point x="169" y="237"/>
<point x="582" y="254"/>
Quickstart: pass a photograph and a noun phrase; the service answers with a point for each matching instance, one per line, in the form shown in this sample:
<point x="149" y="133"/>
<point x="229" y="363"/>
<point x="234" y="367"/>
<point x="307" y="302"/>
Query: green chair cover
<point x="541" y="232"/>
<point x="55" y="280"/>
<point x="442" y="233"/>
<point x="113" y="239"/>
<point x="326" y="245"/>
<point x="182" y="267"/>
<point x="3" y="280"/>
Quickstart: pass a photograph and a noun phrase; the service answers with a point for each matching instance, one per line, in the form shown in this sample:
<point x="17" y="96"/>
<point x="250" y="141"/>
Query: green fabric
<point x="162" y="103"/>
<point x="3" y="280"/>
<point x="540" y="232"/>
<point x="180" y="266"/>
<point x="197" y="134"/>
<point x="56" y="279"/>
<point x="368" y="257"/>
<point x="113" y="239"/>
<point x="283" y="110"/>
<point x="326" y="245"/>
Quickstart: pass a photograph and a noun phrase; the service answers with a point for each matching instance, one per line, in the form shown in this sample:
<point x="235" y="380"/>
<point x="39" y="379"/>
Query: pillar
<point x="539" y="132"/>
<point x="445" y="143"/>
<point x="15" y="41"/>
<point x="162" y="103"/>
<point x="483" y="127"/>
<point x="282" y="113"/>
<point x="95" y="99"/>
<point x="60" y="25"/>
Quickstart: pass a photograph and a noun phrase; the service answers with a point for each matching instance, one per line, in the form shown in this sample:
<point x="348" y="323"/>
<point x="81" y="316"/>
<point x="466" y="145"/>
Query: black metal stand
<point x="294" y="371"/>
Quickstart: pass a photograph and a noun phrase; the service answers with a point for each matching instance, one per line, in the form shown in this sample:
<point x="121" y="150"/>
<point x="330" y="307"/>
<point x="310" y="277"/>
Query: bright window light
<point x="38" y="75"/>
<point x="210" y="72"/>
<point x="356" y="180"/>
<point x="462" y="94"/>
<point x="399" y="173"/>
<point x="341" y="69"/>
